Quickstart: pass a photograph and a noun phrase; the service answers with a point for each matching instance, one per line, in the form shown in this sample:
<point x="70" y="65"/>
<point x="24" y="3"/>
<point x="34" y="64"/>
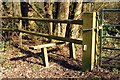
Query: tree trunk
<point x="32" y="25"/>
<point x="77" y="15"/>
<point x="63" y="14"/>
<point x="48" y="9"/>
<point x="88" y="7"/>
<point x="24" y="12"/>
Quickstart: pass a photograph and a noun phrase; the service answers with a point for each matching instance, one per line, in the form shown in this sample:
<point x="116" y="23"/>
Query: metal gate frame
<point x="103" y="36"/>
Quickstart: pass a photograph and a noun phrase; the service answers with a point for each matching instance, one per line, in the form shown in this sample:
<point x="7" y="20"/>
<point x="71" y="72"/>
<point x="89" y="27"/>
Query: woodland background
<point x="19" y="62"/>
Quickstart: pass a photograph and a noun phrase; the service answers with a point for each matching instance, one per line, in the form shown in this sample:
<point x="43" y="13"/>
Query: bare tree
<point x="24" y="12"/>
<point x="63" y="14"/>
<point x="77" y="15"/>
<point x="49" y="14"/>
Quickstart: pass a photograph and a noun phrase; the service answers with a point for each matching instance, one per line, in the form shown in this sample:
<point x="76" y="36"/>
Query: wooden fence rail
<point x="44" y="35"/>
<point x="80" y="22"/>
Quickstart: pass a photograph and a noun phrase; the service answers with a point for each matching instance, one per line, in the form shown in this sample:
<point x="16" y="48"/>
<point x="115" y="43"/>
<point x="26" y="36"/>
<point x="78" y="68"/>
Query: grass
<point x="1" y="46"/>
<point x="115" y="70"/>
<point x="2" y="56"/>
<point x="35" y="67"/>
<point x="96" y="77"/>
<point x="8" y="66"/>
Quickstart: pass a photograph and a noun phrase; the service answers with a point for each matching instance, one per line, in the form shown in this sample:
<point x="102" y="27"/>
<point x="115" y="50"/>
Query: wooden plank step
<point x="43" y="48"/>
<point x="45" y="45"/>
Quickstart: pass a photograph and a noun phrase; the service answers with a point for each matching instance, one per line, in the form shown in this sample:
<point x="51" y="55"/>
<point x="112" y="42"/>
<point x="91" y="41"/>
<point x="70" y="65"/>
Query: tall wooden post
<point x="88" y="58"/>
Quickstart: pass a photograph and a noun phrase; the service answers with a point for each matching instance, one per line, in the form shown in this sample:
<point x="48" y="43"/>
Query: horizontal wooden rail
<point x="80" y="22"/>
<point x="45" y="35"/>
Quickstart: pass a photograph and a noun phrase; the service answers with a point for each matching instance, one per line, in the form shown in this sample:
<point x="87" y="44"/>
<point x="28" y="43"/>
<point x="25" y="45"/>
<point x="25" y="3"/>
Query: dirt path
<point x="24" y="63"/>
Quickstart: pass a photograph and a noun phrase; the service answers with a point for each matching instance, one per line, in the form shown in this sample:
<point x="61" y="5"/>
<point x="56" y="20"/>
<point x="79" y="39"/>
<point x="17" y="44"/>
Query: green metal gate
<point x="109" y="35"/>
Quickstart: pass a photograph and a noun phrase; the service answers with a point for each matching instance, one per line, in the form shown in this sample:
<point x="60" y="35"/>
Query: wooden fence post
<point x="45" y="57"/>
<point x="72" y="50"/>
<point x="20" y="27"/>
<point x="96" y="40"/>
<point x="88" y="56"/>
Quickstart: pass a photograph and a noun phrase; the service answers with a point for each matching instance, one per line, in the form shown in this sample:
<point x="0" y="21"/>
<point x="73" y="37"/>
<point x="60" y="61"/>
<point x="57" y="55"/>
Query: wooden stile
<point x="43" y="48"/>
<point x="88" y="41"/>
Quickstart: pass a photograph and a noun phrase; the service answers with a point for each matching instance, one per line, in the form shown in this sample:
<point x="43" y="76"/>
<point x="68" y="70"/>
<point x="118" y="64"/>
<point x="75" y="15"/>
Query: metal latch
<point x="84" y="47"/>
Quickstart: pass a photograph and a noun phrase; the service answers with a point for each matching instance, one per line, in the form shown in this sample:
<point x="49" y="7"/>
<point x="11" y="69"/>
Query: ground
<point x="22" y="62"/>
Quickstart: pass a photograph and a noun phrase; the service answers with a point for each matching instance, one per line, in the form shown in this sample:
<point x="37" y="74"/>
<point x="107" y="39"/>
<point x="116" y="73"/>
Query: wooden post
<point x="20" y="27"/>
<point x="45" y="56"/>
<point x="72" y="50"/>
<point x="88" y="58"/>
<point x="96" y="44"/>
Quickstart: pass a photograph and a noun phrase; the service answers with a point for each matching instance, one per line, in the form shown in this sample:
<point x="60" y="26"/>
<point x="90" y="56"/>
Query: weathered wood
<point x="45" y="45"/>
<point x="42" y="46"/>
<point x="72" y="50"/>
<point x="88" y="57"/>
<point x="45" y="56"/>
<point x="80" y="22"/>
<point x="45" y="35"/>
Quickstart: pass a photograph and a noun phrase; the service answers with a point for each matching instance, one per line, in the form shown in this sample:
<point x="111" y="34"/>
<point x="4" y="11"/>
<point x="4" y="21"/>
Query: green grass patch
<point x="2" y="56"/>
<point x="35" y="67"/>
<point x="115" y="70"/>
